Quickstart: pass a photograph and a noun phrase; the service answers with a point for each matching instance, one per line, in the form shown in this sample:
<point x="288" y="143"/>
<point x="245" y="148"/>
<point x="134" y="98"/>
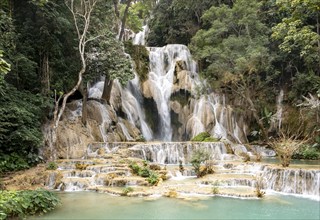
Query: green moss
<point x="140" y="56"/>
<point x="201" y="137"/>
<point x="211" y="139"/>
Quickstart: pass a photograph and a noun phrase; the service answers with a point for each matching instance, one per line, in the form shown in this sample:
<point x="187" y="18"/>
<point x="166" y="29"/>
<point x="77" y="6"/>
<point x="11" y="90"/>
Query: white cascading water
<point x="162" y="66"/>
<point x="140" y="37"/>
<point x="306" y="182"/>
<point x="279" y="109"/>
<point x="129" y="103"/>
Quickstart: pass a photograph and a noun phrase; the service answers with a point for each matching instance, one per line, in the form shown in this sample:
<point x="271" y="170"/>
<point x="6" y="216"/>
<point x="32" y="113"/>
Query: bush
<point x="201" y="137"/>
<point x="12" y="162"/>
<point x="136" y="169"/>
<point x="199" y="156"/>
<point x="52" y="166"/>
<point x="153" y="178"/>
<point x="81" y="166"/>
<point x="127" y="190"/>
<point x="23" y="203"/>
<point x="308" y="153"/>
<point x="145" y="172"/>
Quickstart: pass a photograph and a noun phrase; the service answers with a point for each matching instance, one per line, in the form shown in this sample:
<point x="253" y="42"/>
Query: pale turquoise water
<point x="89" y="205"/>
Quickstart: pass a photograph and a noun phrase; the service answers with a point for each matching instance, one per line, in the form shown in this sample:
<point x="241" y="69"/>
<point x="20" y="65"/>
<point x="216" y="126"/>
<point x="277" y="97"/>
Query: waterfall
<point x="162" y="66"/>
<point x="140" y="37"/>
<point x="174" y="152"/>
<point x="130" y="106"/>
<point x="297" y="181"/>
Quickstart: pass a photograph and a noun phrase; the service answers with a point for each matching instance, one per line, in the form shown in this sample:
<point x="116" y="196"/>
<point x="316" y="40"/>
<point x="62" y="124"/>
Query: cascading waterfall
<point x="130" y="105"/>
<point x="140" y="37"/>
<point x="162" y="66"/>
<point x="306" y="182"/>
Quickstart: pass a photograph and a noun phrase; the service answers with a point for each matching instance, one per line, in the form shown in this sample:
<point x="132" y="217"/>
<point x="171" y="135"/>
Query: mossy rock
<point x="201" y="137"/>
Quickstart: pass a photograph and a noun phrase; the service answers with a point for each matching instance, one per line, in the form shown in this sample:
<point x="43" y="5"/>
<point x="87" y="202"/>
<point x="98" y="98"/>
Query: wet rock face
<point x="102" y="125"/>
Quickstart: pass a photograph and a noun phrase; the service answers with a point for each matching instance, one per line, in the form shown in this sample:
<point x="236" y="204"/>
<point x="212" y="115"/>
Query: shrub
<point x="81" y="166"/>
<point x="286" y="147"/>
<point x="52" y="166"/>
<point x="145" y="172"/>
<point x="311" y="154"/>
<point x="12" y="162"/>
<point x="245" y="156"/>
<point x="153" y="178"/>
<point x="201" y="137"/>
<point x="259" y="186"/>
<point x="199" y="156"/>
<point x="22" y="203"/>
<point x="136" y="169"/>
<point x="127" y="190"/>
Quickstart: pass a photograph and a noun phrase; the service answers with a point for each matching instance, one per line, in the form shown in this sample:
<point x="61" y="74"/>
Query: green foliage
<point x="140" y="56"/>
<point x="199" y="156"/>
<point x="25" y="203"/>
<point x="4" y="66"/>
<point x="145" y="172"/>
<point x="153" y="178"/>
<point x="176" y="21"/>
<point x="201" y="137"/>
<point x="12" y="162"/>
<point x="127" y="190"/>
<point x="52" y="165"/>
<point x="297" y="31"/>
<point x="307" y="152"/>
<point x="136" y="169"/>
<point x="20" y="123"/>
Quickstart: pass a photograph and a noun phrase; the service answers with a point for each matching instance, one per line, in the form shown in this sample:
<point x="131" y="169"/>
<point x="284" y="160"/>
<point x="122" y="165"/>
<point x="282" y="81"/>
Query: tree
<point x="232" y="52"/>
<point x="81" y="12"/>
<point x="124" y="19"/>
<point x="286" y="146"/>
<point x="299" y="30"/>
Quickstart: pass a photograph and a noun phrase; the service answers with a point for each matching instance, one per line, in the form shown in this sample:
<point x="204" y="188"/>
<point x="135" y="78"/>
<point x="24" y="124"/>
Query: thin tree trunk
<point x="45" y="74"/>
<point x="116" y="9"/>
<point x="318" y="32"/>
<point x="84" y="92"/>
<point x="106" y="95"/>
<point x="124" y="19"/>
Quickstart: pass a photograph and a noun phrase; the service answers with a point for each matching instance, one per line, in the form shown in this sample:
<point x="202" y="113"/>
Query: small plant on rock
<point x="52" y="166"/>
<point x="200" y="156"/>
<point x="259" y="186"/>
<point x="136" y="169"/>
<point x="127" y="190"/>
<point x="153" y="178"/>
<point x="215" y="188"/>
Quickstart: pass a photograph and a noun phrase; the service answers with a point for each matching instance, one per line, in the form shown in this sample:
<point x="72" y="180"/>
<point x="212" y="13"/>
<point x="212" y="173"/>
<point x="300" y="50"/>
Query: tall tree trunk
<point x="107" y="89"/>
<point x="116" y="9"/>
<point x="45" y="73"/>
<point x="318" y="32"/>
<point x="84" y="19"/>
<point x="84" y="91"/>
<point x="124" y="19"/>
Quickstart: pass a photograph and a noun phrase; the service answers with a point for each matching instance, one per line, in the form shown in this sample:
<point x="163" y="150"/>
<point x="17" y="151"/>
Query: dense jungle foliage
<point x="248" y="49"/>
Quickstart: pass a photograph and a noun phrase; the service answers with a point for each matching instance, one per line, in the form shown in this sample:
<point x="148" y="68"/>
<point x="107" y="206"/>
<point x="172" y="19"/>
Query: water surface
<point x="90" y="205"/>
